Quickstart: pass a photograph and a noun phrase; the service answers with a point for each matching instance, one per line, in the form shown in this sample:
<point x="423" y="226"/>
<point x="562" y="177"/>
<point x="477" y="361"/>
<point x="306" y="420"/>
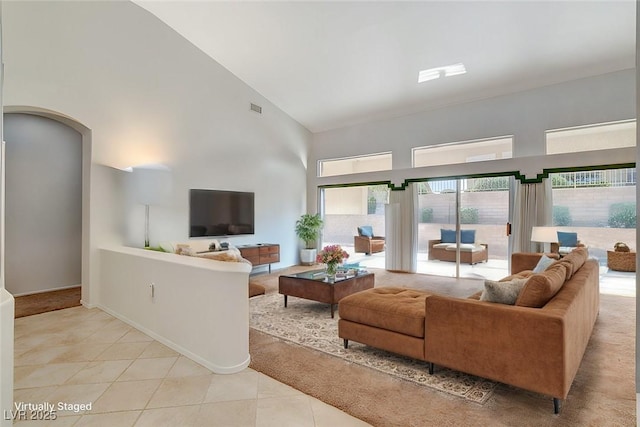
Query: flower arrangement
<point x="332" y="255"/>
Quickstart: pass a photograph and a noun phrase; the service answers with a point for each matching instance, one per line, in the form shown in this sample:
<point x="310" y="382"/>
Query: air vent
<point x="256" y="108"/>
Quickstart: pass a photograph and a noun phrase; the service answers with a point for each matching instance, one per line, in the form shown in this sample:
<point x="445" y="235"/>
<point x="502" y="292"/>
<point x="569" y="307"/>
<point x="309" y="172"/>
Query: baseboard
<point x="88" y="306"/>
<point x="62" y="288"/>
<point x="212" y="367"/>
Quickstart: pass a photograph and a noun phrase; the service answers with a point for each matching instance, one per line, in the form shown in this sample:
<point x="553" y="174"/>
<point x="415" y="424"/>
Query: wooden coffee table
<point x="314" y="285"/>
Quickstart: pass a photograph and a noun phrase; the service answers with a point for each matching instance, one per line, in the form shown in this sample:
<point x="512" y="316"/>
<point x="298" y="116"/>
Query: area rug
<point x="309" y="324"/>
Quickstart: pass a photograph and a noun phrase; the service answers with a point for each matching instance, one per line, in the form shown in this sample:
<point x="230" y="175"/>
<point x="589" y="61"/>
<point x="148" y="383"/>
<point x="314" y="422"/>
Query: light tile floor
<point x="79" y="356"/>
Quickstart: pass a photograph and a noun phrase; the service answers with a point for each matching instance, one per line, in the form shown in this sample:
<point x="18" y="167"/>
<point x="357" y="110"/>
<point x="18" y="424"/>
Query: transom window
<point x="463" y="152"/>
<point x="356" y="164"/>
<point x="593" y="137"/>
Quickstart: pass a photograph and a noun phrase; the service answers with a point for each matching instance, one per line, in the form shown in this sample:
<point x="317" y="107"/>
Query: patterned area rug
<point x="309" y="324"/>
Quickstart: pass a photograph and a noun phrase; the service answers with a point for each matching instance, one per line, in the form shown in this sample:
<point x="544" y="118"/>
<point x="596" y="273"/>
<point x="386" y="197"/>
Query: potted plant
<point x="308" y="230"/>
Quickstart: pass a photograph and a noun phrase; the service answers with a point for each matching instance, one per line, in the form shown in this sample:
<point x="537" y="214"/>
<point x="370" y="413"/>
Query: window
<point x="594" y="137"/>
<point x="599" y="225"/>
<point x="358" y="164"/>
<point x="463" y="152"/>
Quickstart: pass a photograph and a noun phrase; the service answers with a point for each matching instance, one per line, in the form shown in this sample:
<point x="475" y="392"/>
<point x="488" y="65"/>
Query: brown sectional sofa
<point x="536" y="344"/>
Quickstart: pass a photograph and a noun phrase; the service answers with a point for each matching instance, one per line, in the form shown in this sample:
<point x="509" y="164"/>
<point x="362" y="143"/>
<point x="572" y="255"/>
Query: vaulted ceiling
<point x="333" y="64"/>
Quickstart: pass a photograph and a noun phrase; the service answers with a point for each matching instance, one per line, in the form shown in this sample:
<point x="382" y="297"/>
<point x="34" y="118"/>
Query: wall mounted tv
<point x="220" y="213"/>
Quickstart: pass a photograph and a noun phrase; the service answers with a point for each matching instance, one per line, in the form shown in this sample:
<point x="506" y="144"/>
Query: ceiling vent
<point x="256" y="108"/>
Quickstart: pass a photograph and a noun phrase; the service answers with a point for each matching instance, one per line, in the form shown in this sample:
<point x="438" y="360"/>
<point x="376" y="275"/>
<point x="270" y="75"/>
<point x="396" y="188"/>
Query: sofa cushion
<point x="447" y="236"/>
<point x="525" y="274"/>
<point x="541" y="287"/>
<point x="502" y="292"/>
<point x="395" y="309"/>
<point x="577" y="258"/>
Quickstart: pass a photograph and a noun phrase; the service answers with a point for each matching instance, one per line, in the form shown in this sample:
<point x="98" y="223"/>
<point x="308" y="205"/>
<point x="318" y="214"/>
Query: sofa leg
<point x="346" y="343"/>
<point x="556" y="405"/>
<point x="431" y="365"/>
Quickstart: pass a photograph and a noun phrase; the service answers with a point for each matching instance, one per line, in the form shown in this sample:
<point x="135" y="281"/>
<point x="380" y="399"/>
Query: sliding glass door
<point x="481" y="206"/>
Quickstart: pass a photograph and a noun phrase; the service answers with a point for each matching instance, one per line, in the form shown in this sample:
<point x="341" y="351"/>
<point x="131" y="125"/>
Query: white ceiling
<point x="333" y="64"/>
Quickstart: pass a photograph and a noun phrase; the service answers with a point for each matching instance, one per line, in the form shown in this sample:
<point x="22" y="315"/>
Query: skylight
<point x="446" y="71"/>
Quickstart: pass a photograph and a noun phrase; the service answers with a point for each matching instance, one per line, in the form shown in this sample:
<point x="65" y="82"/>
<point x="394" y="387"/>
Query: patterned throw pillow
<point x="502" y="292"/>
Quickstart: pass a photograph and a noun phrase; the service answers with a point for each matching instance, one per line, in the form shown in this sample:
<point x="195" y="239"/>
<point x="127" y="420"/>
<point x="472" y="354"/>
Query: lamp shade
<point x="152" y="184"/>
<point x="544" y="234"/>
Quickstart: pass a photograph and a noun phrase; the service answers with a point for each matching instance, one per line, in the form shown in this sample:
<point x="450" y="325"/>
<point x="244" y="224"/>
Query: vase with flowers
<point x="332" y="256"/>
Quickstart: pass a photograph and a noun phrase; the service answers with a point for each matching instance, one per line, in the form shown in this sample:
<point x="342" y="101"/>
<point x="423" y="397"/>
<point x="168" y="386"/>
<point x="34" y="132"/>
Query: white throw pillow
<point x="543" y="263"/>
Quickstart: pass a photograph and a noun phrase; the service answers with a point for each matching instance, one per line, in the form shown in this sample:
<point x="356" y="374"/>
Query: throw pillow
<point x="567" y="239"/>
<point x="467" y="236"/>
<point x="365" y="231"/>
<point x="502" y="292"/>
<point x="541" y="287"/>
<point x="543" y="263"/>
<point x="447" y="236"/>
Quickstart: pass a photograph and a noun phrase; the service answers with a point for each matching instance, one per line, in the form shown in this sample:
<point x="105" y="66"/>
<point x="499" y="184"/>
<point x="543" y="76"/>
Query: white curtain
<point x="533" y="207"/>
<point x="401" y="251"/>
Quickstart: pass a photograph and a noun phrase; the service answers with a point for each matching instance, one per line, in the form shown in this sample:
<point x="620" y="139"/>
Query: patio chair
<point x="567" y="241"/>
<point x="367" y="242"/>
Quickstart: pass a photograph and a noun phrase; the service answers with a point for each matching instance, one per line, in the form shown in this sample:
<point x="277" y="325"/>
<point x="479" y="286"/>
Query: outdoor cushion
<point x="447" y="236"/>
<point x="465" y="247"/>
<point x="365" y="231"/>
<point x="468" y="236"/>
<point x="567" y="239"/>
<point x="443" y="245"/>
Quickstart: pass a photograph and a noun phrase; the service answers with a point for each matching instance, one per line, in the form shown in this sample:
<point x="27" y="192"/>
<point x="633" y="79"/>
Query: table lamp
<point x="545" y="235"/>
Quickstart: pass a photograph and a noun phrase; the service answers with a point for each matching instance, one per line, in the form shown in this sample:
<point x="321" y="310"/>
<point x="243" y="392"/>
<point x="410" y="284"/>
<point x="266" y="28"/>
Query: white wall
<point x="43" y="214"/>
<point x="149" y="96"/>
<point x="526" y="115"/>
<point x="199" y="307"/>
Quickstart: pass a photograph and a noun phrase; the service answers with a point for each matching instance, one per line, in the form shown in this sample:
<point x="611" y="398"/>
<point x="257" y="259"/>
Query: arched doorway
<point x="85" y="185"/>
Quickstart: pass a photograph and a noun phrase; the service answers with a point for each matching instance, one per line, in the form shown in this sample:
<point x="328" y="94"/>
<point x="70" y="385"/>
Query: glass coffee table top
<point x="321" y="275"/>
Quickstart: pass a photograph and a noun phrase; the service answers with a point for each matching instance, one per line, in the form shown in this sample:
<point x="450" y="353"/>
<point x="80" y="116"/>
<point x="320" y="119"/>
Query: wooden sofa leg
<point x="556" y="405"/>
<point x="431" y="365"/>
<point x="346" y="343"/>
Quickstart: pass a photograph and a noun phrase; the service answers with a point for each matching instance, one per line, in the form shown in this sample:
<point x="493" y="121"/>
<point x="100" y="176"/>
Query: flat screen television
<point x="220" y="213"/>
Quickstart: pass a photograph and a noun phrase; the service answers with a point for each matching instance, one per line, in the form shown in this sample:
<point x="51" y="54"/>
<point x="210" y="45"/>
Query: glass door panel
<point x="483" y="209"/>
<point x="436" y="217"/>
<point x="345" y="209"/>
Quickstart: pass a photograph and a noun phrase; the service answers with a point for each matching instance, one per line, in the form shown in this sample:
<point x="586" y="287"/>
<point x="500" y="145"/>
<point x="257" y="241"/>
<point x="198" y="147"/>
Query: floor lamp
<point x="544" y="235"/>
<point x="152" y="187"/>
